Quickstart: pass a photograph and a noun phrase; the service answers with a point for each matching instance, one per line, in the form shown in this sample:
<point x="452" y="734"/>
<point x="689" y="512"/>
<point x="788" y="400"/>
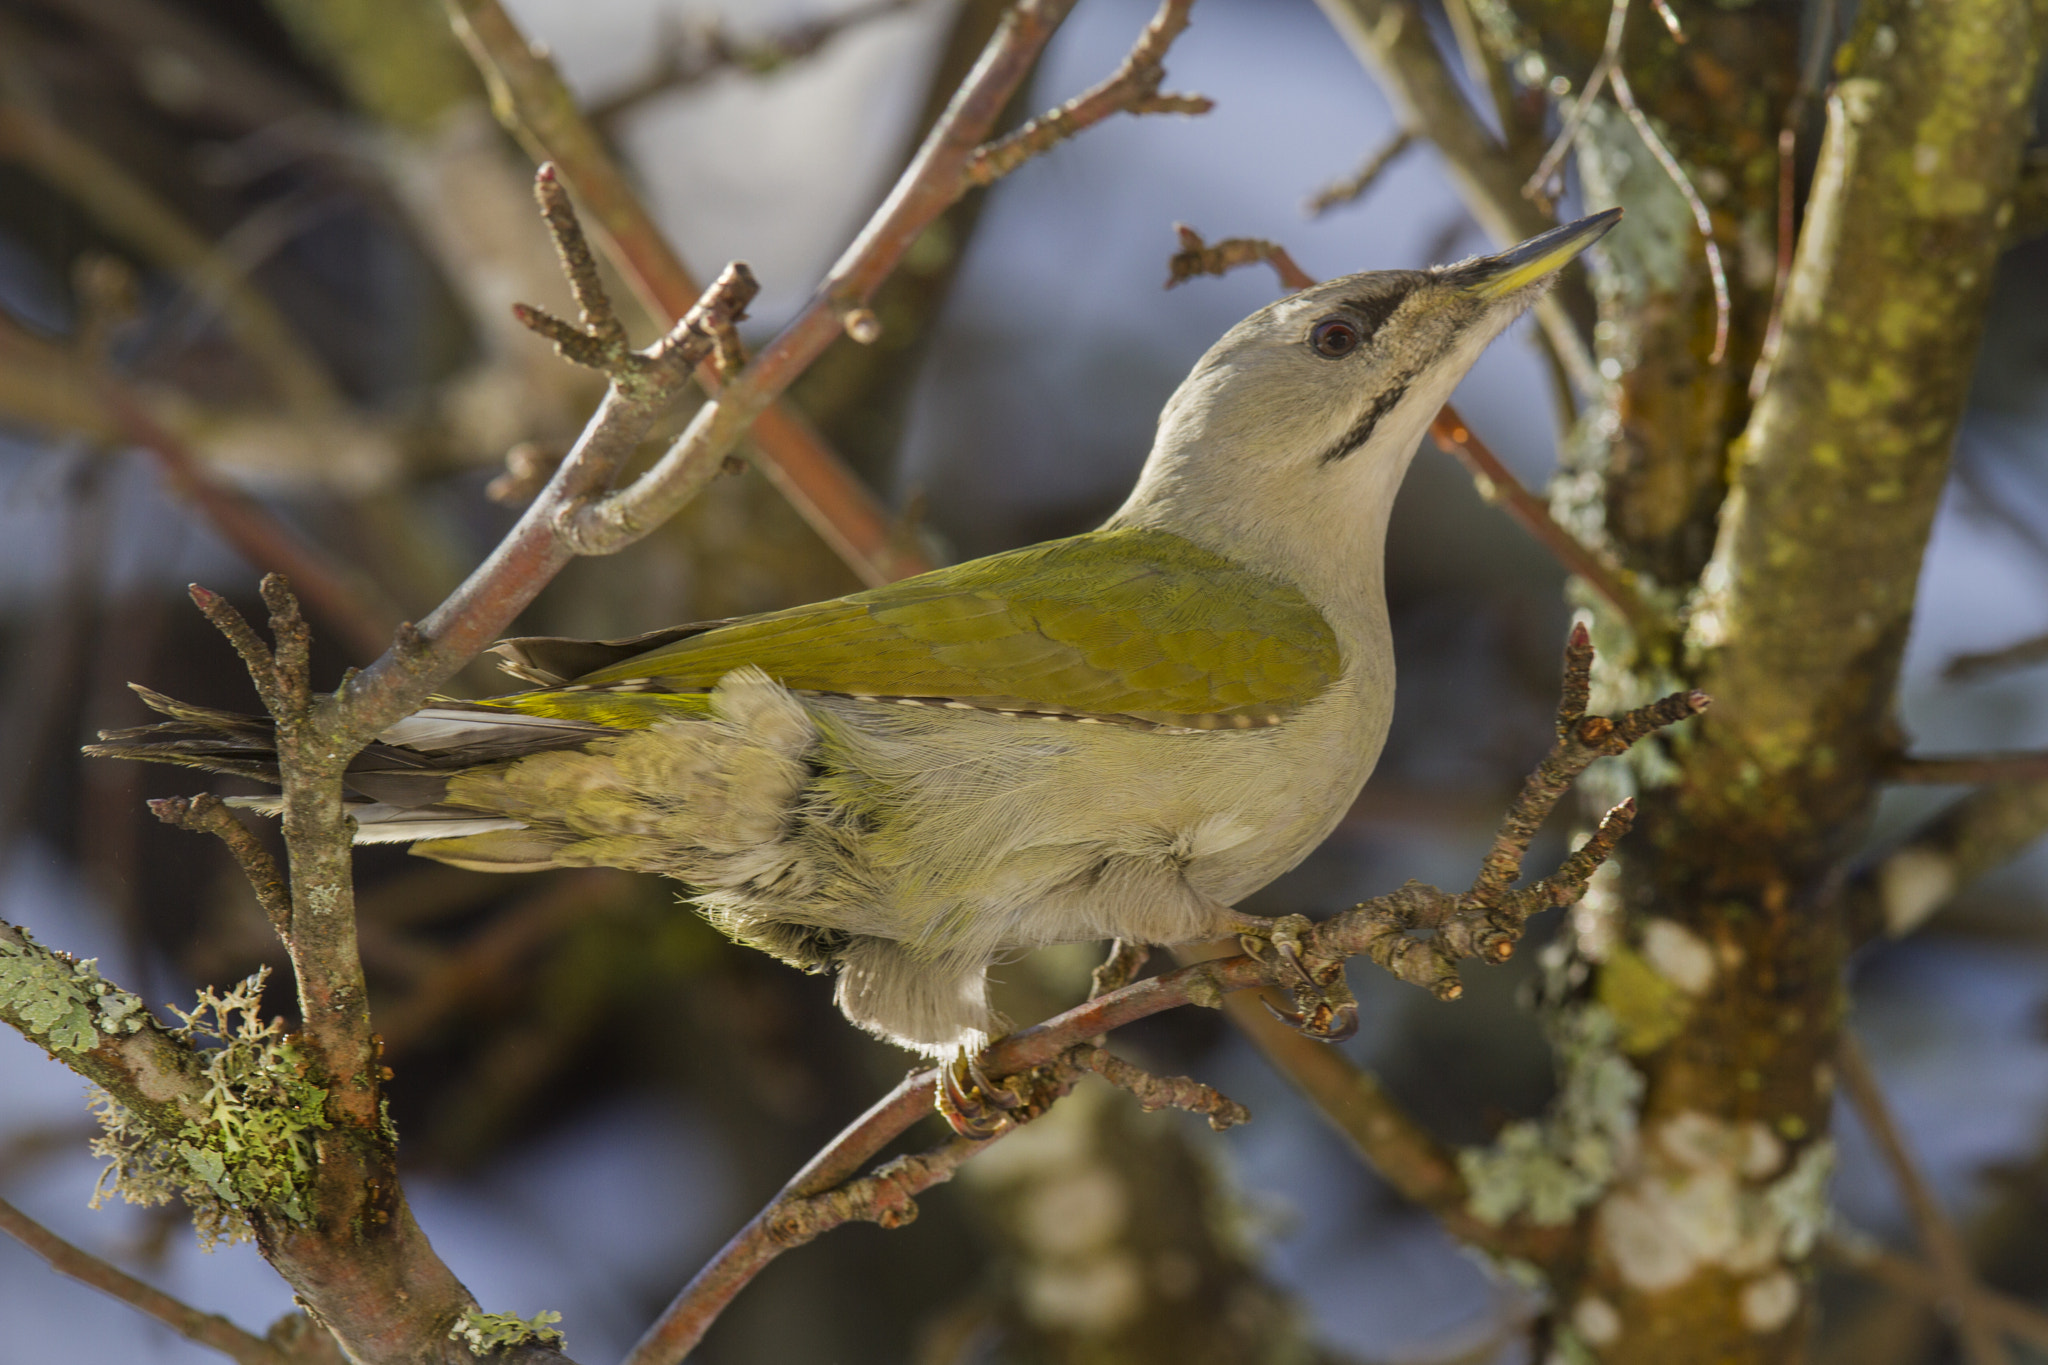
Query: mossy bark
<point x="1793" y="529"/>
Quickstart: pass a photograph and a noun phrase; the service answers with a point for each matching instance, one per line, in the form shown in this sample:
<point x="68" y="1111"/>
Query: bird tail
<point x="397" y="788"/>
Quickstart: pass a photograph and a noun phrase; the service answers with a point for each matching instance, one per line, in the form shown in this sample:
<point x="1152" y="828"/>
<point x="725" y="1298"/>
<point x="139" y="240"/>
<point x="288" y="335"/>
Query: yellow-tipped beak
<point x="1492" y="277"/>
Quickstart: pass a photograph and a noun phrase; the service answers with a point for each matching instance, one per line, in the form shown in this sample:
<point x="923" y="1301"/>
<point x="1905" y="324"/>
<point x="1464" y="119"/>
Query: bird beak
<point x="1493" y="277"/>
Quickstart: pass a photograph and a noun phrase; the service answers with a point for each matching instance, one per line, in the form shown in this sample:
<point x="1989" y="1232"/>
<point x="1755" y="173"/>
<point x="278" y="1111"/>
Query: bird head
<point x="1285" y="445"/>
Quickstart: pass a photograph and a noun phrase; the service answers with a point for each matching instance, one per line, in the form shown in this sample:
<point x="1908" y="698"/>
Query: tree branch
<point x="1352" y="187"/>
<point x="688" y="59"/>
<point x="130" y="212"/>
<point x="1442" y="929"/>
<point x="1965" y="667"/>
<point x="1982" y="831"/>
<point x="1970" y="768"/>
<point x="208" y="814"/>
<point x="1132" y="89"/>
<point x="531" y="100"/>
<point x="1960" y="1299"/>
<point x="207" y="1329"/>
<point x="2021" y="1321"/>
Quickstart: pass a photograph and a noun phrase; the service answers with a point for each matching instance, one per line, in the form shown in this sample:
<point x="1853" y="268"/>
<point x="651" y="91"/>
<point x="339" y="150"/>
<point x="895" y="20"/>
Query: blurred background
<point x="292" y="232"/>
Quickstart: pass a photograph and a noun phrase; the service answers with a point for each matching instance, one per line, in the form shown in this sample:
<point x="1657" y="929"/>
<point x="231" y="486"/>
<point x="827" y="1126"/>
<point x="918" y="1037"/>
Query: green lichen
<point x="485" y="1332"/>
<point x="1549" y="1169"/>
<point x="254" y="1146"/>
<point x="66" y="1005"/>
<point x="1648" y="1009"/>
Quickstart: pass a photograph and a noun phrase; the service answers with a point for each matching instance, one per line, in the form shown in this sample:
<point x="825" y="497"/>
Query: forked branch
<point x="1419" y="933"/>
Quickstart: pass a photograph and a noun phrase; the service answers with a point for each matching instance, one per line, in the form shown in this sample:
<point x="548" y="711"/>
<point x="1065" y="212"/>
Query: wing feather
<point x="1130" y="624"/>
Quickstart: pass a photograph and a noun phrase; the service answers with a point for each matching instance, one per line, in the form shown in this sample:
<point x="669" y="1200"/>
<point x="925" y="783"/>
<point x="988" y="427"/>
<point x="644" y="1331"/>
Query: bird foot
<point x="977" y="1107"/>
<point x="1324" y="1007"/>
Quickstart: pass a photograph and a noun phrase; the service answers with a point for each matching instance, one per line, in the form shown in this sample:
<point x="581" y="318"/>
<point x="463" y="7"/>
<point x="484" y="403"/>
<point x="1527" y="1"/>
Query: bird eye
<point x="1334" y="337"/>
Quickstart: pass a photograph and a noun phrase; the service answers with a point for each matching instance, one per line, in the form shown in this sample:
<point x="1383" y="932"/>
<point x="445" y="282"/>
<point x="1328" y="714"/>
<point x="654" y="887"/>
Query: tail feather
<point x="398" y="786"/>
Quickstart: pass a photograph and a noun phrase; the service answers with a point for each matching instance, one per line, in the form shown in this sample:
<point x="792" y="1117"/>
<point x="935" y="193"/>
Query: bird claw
<point x="979" y="1108"/>
<point x="1324" y="1007"/>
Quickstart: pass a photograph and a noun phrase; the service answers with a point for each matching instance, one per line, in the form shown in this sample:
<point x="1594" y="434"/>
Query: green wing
<point x="1130" y="625"/>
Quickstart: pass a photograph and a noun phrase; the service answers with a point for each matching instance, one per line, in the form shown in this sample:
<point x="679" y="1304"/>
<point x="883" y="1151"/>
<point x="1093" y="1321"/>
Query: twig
<point x="1482" y="922"/>
<point x="1353" y="187"/>
<point x="1419" y="933"/>
<point x="208" y="814"/>
<point x="128" y="210"/>
<point x="350" y="605"/>
<point x="2022" y="1321"/>
<point x="1959" y="1298"/>
<point x="1899" y="892"/>
<point x="1966" y="667"/>
<point x="1386" y="1136"/>
<point x="531" y="100"/>
<point x="1161" y="1092"/>
<point x="887" y="1197"/>
<point x="478" y="966"/>
<point x="936" y="177"/>
<point x="1716" y="272"/>
<point x="1496" y="482"/>
<point x="1132" y="89"/>
<point x="1822" y="45"/>
<point x="1968" y="768"/>
<point x="207" y="1329"/>
<point x="687" y="59"/>
<point x="1197" y="257"/>
<point x="1610" y="53"/>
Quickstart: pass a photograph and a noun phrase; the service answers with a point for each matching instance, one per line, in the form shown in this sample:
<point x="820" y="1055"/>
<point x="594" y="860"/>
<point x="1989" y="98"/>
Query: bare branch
<point x="207" y="1329"/>
<point x="935" y="178"/>
<point x="1959" y="1297"/>
<point x="1703" y="220"/>
<point x="208" y="814"/>
<point x="887" y="1197"/>
<point x="1162" y="1092"/>
<point x="1352" y="187"/>
<point x="688" y="58"/>
<point x="1913" y="880"/>
<point x="1197" y="257"/>
<point x="1965" y="667"/>
<point x="2021" y="1321"/>
<point x="533" y="103"/>
<point x="1132" y="89"/>
<point x="1499" y="485"/>
<point x="1972" y="768"/>
<point x="1610" y="53"/>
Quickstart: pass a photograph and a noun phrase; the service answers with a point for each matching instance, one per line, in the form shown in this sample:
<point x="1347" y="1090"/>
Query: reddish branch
<point x="1418" y="932"/>
<point x="208" y="1329"/>
<point x="207" y="814"/>
<point x="532" y="101"/>
<point x="1496" y="482"/>
<point x="1133" y="88"/>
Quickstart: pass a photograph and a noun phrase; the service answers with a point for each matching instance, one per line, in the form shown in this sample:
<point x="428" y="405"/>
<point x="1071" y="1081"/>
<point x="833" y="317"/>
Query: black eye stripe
<point x="1373" y="311"/>
<point x="1361" y="430"/>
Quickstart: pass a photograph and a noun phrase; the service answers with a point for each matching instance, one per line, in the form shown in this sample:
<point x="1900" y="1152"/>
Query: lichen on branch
<point x="252" y="1150"/>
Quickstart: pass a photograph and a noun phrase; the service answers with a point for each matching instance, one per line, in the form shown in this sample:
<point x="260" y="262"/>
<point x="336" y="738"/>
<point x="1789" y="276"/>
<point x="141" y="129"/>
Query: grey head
<point x="1285" y="445"/>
